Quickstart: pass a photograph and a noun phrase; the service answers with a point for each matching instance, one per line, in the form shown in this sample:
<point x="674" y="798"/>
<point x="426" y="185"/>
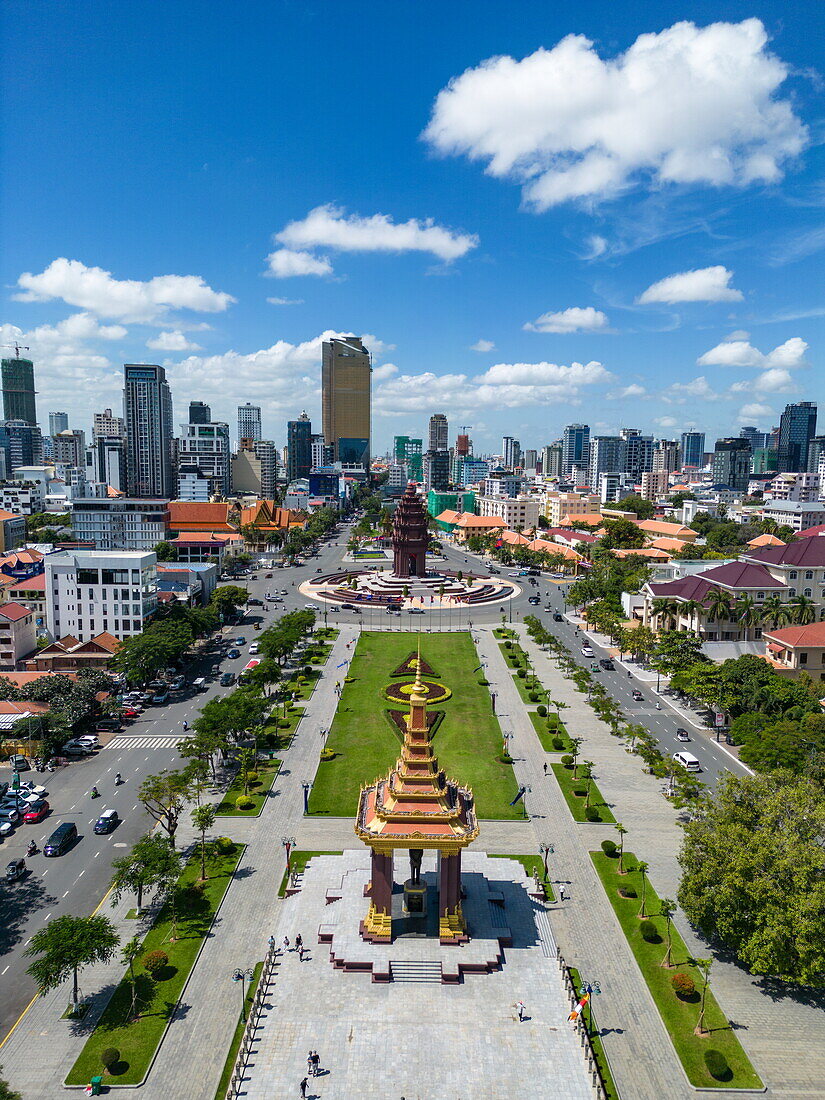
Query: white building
<point x="23" y="497"/>
<point x="794" y="513"/>
<point x="206" y="446"/>
<point x="801" y="487"/>
<point x="519" y="513"/>
<point x="397" y="478"/>
<point x="193" y="484"/>
<point x="120" y="523"/>
<point x="105" y="425"/>
<point x="89" y="592"/>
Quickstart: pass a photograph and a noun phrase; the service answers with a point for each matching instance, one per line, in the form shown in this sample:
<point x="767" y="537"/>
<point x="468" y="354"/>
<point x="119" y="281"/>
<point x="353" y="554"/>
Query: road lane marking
<point x="80" y="876"/>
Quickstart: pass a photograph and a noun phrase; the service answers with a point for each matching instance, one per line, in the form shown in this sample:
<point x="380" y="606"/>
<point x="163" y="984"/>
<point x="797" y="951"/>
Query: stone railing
<point x="252" y="1021"/>
<point x="593" y="1070"/>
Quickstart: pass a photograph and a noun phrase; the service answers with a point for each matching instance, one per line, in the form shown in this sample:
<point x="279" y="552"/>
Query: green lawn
<point x="229" y="1065"/>
<point x="531" y="864"/>
<point x="267" y="771"/>
<point x="467" y="741"/>
<point x="306" y="688"/>
<point x="298" y="860"/>
<point x="575" y="803"/>
<point x="138" y="1040"/>
<point x="679" y="1016"/>
<point x="546" y="736"/>
<point x="595" y="1041"/>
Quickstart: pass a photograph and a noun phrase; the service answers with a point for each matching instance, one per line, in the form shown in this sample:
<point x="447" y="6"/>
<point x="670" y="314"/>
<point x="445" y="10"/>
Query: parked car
<point x="36" y="811"/>
<point x="178" y="684"/>
<point x="90" y="739"/>
<point x="253" y="649"/>
<point x="161" y="698"/>
<point x="75" y="748"/>
<point x="9" y="813"/>
<point x="132" y="712"/>
<point x="240" y="640"/>
<point x="228" y="679"/>
<point x="587" y="651"/>
<point x="107" y="822"/>
<point x="30" y="788"/>
<point x="607" y="664"/>
<point x="61" y="839"/>
<point x="108" y="725"/>
<point x="233" y="653"/>
<point x="19" y="763"/>
<point x="637" y="695"/>
<point x="253" y="601"/>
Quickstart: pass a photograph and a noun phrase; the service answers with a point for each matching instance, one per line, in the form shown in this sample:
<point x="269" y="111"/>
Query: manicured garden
<point x="136" y="1035"/>
<point x="553" y="738"/>
<point x="468" y="741"/>
<point x="531" y="865"/>
<point x="678" y="999"/>
<point x="259" y="784"/>
<point x="594" y="809"/>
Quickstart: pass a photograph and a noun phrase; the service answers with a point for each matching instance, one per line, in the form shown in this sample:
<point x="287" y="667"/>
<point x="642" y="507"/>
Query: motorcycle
<point x="94" y="793"/>
<point x="32" y="849"/>
<point x="118" y="779"/>
<point x="15" y="870"/>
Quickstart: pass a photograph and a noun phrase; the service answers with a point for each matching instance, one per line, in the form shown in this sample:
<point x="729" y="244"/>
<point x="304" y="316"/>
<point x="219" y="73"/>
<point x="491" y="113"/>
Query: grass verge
<point x="467" y="741"/>
<point x="531" y="864"/>
<point x="234" y="1046"/>
<point x="596" y="1042"/>
<point x="679" y="1015"/>
<point x="267" y="773"/>
<point x="298" y="860"/>
<point x="575" y="803"/>
<point x="546" y="735"/>
<point x="137" y="1037"/>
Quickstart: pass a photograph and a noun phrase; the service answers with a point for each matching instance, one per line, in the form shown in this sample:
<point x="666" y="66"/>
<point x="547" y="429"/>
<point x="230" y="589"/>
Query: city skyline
<point x="672" y="287"/>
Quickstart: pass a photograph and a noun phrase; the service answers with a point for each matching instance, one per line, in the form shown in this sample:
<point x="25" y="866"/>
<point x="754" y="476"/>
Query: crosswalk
<point x="137" y="742"/>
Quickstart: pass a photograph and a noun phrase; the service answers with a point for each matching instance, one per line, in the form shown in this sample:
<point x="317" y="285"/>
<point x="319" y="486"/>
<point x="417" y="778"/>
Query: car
<point x="157" y="685"/>
<point x="253" y="601"/>
<point x="347" y="606"/>
<point x="19" y="763"/>
<point x="32" y="788"/>
<point x="284" y="592"/>
<point x="523" y="573"/>
<point x="393" y="611"/>
<point x="161" y="698"/>
<point x="587" y="651"/>
<point x="557" y="576"/>
<point x="494" y="570"/>
<point x="254" y="648"/>
<point x="514" y="574"/>
<point x="62" y="838"/>
<point x="415" y="610"/>
<point x="240" y="641"/>
<point x="319" y="570"/>
<point x="682" y="734"/>
<point x="107" y="822"/>
<point x="147" y="697"/>
<point x="132" y="712"/>
<point x="9" y="813"/>
<point x="334" y="609"/>
<point x="108" y="725"/>
<point x="310" y="607"/>
<point x="75" y="748"/>
<point x="227" y="679"/>
<point x="607" y="664"/>
<point x="558" y="617"/>
<point x="637" y="695"/>
<point x="233" y="653"/>
<point x="90" y="739"/>
<point x="178" y="684"/>
<point x="270" y="596"/>
<point x="267" y="576"/>
<point x="534" y="600"/>
<point x="36" y="811"/>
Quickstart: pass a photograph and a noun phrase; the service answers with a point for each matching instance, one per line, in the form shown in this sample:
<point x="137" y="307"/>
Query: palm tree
<point x="621" y="830"/>
<point x="667" y="908"/>
<point x="692" y="609"/>
<point x="718" y="603"/>
<point x="668" y="610"/>
<point x="642" y="869"/>
<point x="803" y="610"/>
<point x="775" y="612"/>
<point x="747" y="612"/>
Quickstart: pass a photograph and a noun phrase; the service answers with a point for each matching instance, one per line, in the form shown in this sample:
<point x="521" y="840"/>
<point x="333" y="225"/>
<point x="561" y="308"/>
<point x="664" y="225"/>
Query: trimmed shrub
<point x="533" y="696"/>
<point x="109" y="1057"/>
<point x="541" y="709"/>
<point x="328" y="754"/>
<point x="609" y="848"/>
<point x="521" y="673"/>
<point x="244" y="802"/>
<point x="508" y="644"/>
<point x="506" y="758"/>
<point x="627" y="892"/>
<point x="307" y="670"/>
<point x="483" y="682"/>
<point x="592" y="814"/>
<point x="283" y="723"/>
<point x="579" y="792"/>
<point x="154" y="962"/>
<point x="349" y="679"/>
<point x="567" y="760"/>
<point x="717" y="1065"/>
<point x="224" y="845"/>
<point x="252" y="777"/>
<point x="683" y="985"/>
<point x="558" y="743"/>
<point x="649" y="931"/>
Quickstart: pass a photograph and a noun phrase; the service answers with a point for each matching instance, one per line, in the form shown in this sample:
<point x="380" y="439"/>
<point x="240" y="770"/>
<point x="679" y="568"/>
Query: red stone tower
<point x="410" y="536"/>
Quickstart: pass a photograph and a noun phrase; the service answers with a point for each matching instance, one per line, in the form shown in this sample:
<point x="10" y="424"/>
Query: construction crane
<point x="17" y="348"/>
<point x="465" y="428"/>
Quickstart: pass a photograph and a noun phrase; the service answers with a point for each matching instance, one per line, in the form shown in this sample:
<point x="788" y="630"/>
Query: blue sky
<point x="623" y="227"/>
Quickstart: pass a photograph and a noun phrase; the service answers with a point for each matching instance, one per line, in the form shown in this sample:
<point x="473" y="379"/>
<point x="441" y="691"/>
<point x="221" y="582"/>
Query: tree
<point x="622" y="534"/>
<point x="227" y="597"/>
<point x="203" y="818"/>
<point x="747" y="612"/>
<point x="203" y="743"/>
<point x="642" y="869"/>
<point x="6" y="1091"/>
<point x="165" y="551"/>
<point x="622" y="831"/>
<point x="718" y="604"/>
<point x="667" y="908"/>
<point x="163" y="796"/>
<point x="676" y="651"/>
<point x="151" y="862"/>
<point x="803" y="610"/>
<point x="754" y="874"/>
<point x="775" y="612"/>
<point x="704" y="966"/>
<point x="131" y="951"/>
<point x="667" y="610"/>
<point x="66" y="945"/>
<point x="642" y="508"/>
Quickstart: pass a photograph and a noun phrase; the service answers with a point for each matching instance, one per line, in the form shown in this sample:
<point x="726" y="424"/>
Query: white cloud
<point x="775" y="380"/>
<point x="739" y="334"/>
<point x="740" y="353"/>
<point x="386" y="370"/>
<point x="666" y="421"/>
<point x="680" y="392"/>
<point x="595" y="246"/>
<point x="690" y="105"/>
<point x="542" y="374"/>
<point x="483" y="345"/>
<point x="330" y="227"/>
<point x="633" y="390"/>
<point x="285" y="301"/>
<point x="284" y="263"/>
<point x="171" y="341"/>
<point x="98" y="291"/>
<point x="749" y="413"/>
<point x="705" y="284"/>
<point x="574" y="319"/>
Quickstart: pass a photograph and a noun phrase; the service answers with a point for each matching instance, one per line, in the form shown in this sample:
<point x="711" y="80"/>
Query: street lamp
<point x="507" y="736"/>
<point x="546" y="850"/>
<point x="592" y="989"/>
<point x="322" y="732"/>
<point x="243" y="976"/>
<point x="288" y="843"/>
<point x="493" y="700"/>
<point x="307" y="787"/>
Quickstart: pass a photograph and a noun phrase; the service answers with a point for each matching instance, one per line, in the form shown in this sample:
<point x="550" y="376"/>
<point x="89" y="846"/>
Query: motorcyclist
<point x="95" y="793"/>
<point x="32" y="848"/>
<point x="118" y="779"/>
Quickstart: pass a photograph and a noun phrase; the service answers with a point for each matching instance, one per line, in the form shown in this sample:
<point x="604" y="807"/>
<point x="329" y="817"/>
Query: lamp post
<point x="507" y="737"/>
<point x="493" y="700"/>
<point x="288" y="843"/>
<point x="593" y="989"/>
<point x="546" y="850"/>
<point x="307" y="787"/>
<point x="243" y="976"/>
<point x="323" y="731"/>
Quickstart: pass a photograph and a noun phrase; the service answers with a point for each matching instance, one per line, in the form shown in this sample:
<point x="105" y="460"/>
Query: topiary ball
<point x="649" y="931"/>
<point x="717" y="1065"/>
<point x="541" y="710"/>
<point x="567" y="760"/>
<point x="683" y="985"/>
<point x="154" y="962"/>
<point x="609" y="848"/>
<point x="244" y="802"/>
<point x="592" y="814"/>
<point x="109" y="1057"/>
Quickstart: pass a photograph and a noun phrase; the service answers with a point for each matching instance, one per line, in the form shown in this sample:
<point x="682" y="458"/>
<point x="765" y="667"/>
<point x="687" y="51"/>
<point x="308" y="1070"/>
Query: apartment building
<point x="120" y="523"/>
<point x="91" y="592"/>
<point x="519" y="513"/>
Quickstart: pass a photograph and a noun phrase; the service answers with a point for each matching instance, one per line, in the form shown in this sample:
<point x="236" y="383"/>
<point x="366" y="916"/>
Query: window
<point x="803" y="658"/>
<point x="760" y="595"/>
<point x="791" y="591"/>
<point x="792" y="575"/>
<point x="807" y="592"/>
<point x="809" y="575"/>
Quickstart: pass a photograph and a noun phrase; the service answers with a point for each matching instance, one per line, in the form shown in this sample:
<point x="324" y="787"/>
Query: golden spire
<point x="418" y="694"/>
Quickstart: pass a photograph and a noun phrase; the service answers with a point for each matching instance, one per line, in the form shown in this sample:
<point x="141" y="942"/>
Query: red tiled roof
<point x="9" y="515"/>
<point x="37" y="583"/>
<point x="14" y="611"/>
<point x="737" y="575"/>
<point x="7" y="706"/>
<point x="20" y="679"/>
<point x="808" y="553"/>
<point x="202" y="536"/>
<point x="812" y="635"/>
<point x="811" y="532"/>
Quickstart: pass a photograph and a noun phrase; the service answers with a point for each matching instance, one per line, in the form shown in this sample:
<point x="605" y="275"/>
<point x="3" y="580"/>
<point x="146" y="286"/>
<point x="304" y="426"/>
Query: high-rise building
<point x="346" y="399"/>
<point x="531" y="459"/>
<point x="511" y="451"/>
<point x="756" y="438"/>
<point x="797" y="427"/>
<point x="18" y="390"/>
<point x="147" y="410"/>
<point x="764" y="460"/>
<point x="575" y="447"/>
<point x="665" y="456"/>
<point x="249" y="422"/>
<point x="816" y="452"/>
<point x="436" y="470"/>
<point x="21" y="443"/>
<point x="608" y="455"/>
<point x="321" y="451"/>
<point x="70" y="447"/>
<point x="438" y="432"/>
<point x="638" y="452"/>
<point x="266" y="451"/>
<point x="693" y="449"/>
<point x="551" y="457"/>
<point x="732" y="463"/>
<point x="199" y="413"/>
<point x="106" y="462"/>
<point x="463" y="445"/>
<point x="299" y="447"/>
<point x="407" y="452"/>
<point x="58" y="422"/>
<point x="105" y="425"/>
<point x="204" y="448"/>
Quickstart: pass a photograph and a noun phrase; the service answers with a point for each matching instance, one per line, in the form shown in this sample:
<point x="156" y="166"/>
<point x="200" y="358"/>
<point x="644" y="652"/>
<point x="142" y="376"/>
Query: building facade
<point x="58" y="422"/>
<point x="105" y="425"/>
<point x="21" y="444"/>
<point x="120" y="523"/>
<point x="407" y="452"/>
<point x="106" y="462"/>
<point x="797" y="427"/>
<point x="519" y="513"/>
<point x="147" y="411"/>
<point x="92" y="592"/>
<point x="18" y="390"/>
<point x="346" y="399"/>
<point x="693" y="449"/>
<point x="205" y="447"/>
<point x="436" y="470"/>
<point x="70" y="447"/>
<point x="299" y="447"/>
<point x="438" y="433"/>
<point x="249" y="422"/>
<point x="732" y="463"/>
<point x="18" y="634"/>
<point x="575" y="447"/>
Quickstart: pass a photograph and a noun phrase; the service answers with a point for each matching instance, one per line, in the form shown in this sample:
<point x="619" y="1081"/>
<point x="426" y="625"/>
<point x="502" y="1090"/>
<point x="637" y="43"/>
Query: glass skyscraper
<point x="18" y="390"/>
<point x="797" y="427"/>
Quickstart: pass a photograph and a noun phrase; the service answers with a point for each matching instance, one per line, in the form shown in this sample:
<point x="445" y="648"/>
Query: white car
<point x="253" y="649"/>
<point x="90" y="740"/>
<point x="310" y="607"/>
<point x="33" y="788"/>
<point x="587" y="651"/>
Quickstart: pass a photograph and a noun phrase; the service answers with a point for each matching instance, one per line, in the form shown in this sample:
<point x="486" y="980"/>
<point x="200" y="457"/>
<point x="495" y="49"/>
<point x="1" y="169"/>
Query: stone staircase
<point x="416" y="970"/>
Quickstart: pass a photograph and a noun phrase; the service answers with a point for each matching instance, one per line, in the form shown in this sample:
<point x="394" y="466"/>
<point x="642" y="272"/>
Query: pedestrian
<point x="301" y="953"/>
<point x="304" y="1084"/>
<point x="316" y="1063"/>
<point x="562" y="893"/>
<point x="545" y="767"/>
<point x="299" y="942"/>
<point x="520" y="1007"/>
<point x="271" y="943"/>
<point x="286" y="943"/>
<point x="309" y="1064"/>
<point x="185" y="725"/>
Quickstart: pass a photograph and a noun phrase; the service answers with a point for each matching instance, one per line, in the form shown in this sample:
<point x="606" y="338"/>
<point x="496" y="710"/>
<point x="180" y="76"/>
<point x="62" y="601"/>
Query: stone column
<point x="449" y="886"/>
<point x="381" y="890"/>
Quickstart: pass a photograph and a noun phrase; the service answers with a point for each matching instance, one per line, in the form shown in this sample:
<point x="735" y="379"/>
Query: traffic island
<point x="679" y="1002"/>
<point x="142" y="1006"/>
